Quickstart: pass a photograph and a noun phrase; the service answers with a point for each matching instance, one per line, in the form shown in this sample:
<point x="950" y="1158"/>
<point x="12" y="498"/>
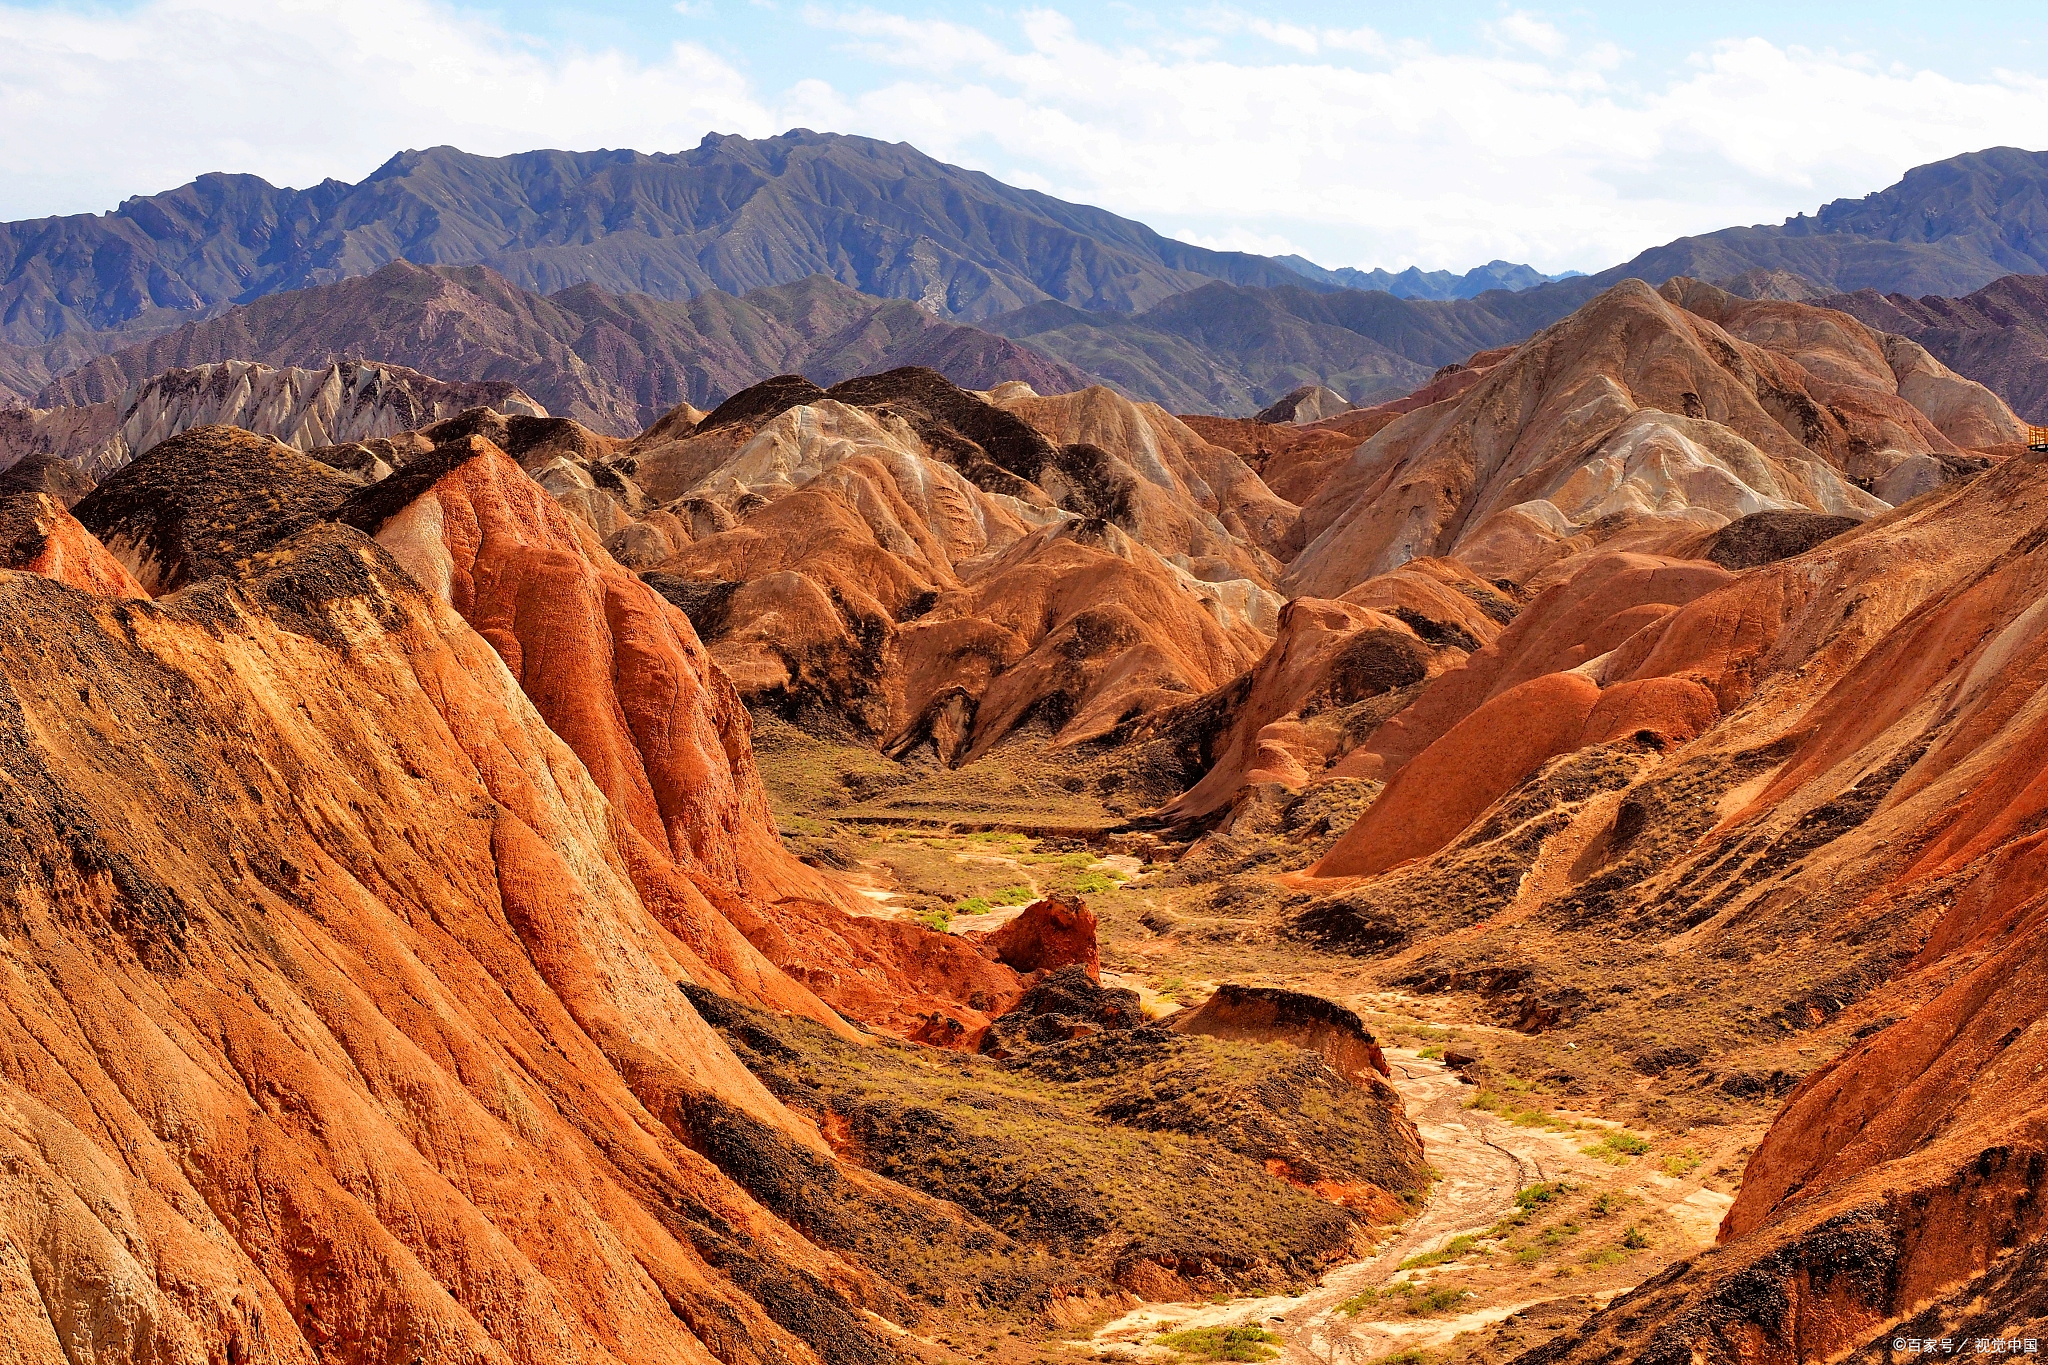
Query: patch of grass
<point x="972" y="905"/>
<point x="938" y="920"/>
<point x="1013" y="895"/>
<point x="1221" y="1343"/>
<point x="1634" y="1239"/>
<point x="1449" y="1251"/>
<point x="1359" y="1302"/>
<point x="1441" y="1298"/>
<point x="1493" y="1103"/>
<point x="1528" y="1199"/>
<point x="1432" y="1053"/>
<point x="1606" y="1256"/>
<point x="1684" y="1162"/>
<point x="1605" y="1204"/>
<point x="1093" y="884"/>
<point x="1618" y="1147"/>
<point x="1411" y="1356"/>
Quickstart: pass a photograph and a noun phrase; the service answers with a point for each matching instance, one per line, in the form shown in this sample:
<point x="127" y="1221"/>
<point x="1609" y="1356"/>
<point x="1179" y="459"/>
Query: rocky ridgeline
<point x="347" y="402"/>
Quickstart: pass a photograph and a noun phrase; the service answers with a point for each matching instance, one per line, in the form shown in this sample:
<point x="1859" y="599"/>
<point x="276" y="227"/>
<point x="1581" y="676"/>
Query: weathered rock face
<point x="347" y="402"/>
<point x="1309" y="403"/>
<point x="1293" y="461"/>
<point x="334" y="1020"/>
<point x="1997" y="336"/>
<point x="1335" y="673"/>
<point x="200" y="502"/>
<point x="1189" y="498"/>
<point x="881" y="561"/>
<point x="38" y="536"/>
<point x="1267" y="1014"/>
<point x="1051" y="933"/>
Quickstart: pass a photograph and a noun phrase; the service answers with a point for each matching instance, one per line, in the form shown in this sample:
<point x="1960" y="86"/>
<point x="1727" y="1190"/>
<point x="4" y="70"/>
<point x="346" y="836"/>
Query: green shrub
<point x="1634" y="1239"/>
<point x="1436" y="1299"/>
<point x="1682" y="1163"/>
<point x="1221" y="1343"/>
<point x="1449" y="1251"/>
<point x="1014" y="895"/>
<point x="1359" y="1302"/>
<point x="1617" y="1147"/>
<point x="973" y="905"/>
<point x="940" y="920"/>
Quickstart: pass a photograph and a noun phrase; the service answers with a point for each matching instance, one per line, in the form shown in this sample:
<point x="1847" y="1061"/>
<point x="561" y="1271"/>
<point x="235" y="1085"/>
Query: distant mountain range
<point x="649" y="271"/>
<point x="731" y="214"/>
<point x="1416" y="283"/>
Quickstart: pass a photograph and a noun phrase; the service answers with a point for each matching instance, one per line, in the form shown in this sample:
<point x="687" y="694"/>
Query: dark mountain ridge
<point x="613" y="362"/>
<point x="731" y="214"/>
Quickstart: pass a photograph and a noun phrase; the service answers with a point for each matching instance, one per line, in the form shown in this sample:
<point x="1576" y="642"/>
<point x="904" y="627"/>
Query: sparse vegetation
<point x="1618" y="1147"/>
<point x="1428" y="1301"/>
<point x="1221" y="1343"/>
<point x="1448" y="1252"/>
<point x="1634" y="1239"/>
<point x="1359" y="1302"/>
<point x="1494" y="1103"/>
<point x="1684" y="1162"/>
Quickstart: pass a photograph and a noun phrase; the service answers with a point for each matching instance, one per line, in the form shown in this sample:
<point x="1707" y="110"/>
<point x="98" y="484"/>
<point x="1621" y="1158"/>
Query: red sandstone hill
<point x="355" y="890"/>
<point x="1663" y="692"/>
<point x="1819" y="773"/>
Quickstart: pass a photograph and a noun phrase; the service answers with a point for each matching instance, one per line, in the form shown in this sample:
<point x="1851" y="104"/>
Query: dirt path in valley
<point x="1482" y="1163"/>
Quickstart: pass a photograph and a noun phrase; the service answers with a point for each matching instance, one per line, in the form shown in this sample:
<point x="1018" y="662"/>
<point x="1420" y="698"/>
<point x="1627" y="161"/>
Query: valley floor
<point x="1559" y="1181"/>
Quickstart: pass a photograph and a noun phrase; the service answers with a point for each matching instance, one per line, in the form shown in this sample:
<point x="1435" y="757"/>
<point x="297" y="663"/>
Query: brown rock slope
<point x="1635" y="422"/>
<point x="393" y="1066"/>
<point x="1796" y="807"/>
<point x="1337" y="670"/>
<point x="37" y="535"/>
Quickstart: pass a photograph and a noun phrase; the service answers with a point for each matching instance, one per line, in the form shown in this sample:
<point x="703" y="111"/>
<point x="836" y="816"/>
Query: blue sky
<point x="1441" y="136"/>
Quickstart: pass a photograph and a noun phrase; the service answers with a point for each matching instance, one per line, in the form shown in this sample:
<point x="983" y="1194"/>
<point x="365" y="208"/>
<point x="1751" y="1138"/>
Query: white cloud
<point x="1242" y="239"/>
<point x="1519" y="28"/>
<point x="100" y="105"/>
<point x="1411" y="155"/>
